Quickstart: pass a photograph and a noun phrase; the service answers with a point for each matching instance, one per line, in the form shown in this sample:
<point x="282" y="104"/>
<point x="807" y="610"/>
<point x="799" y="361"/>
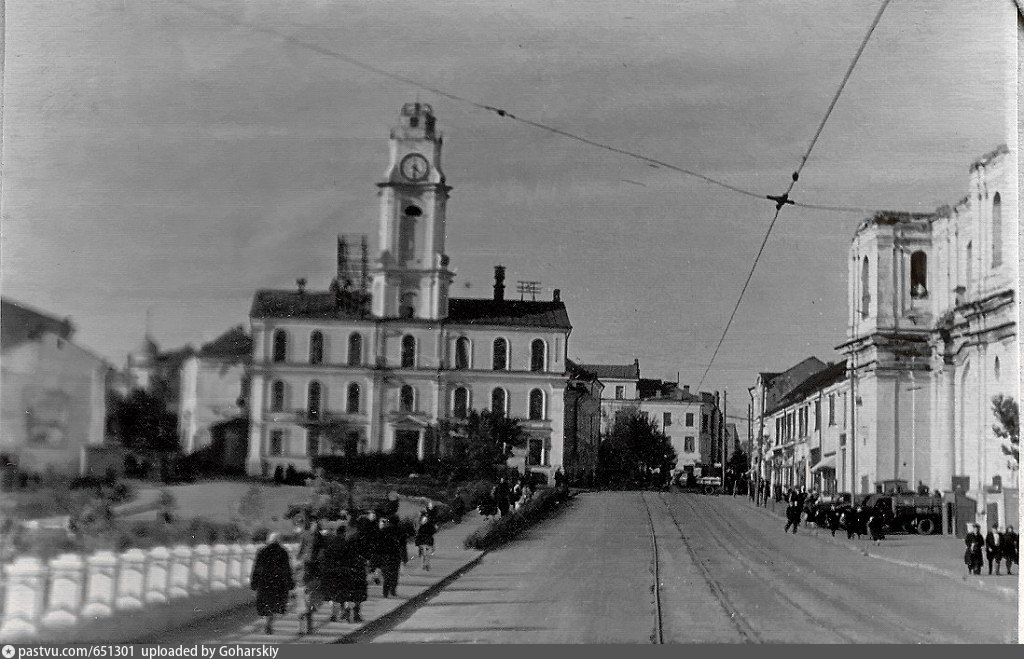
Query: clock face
<point x="415" y="167"/>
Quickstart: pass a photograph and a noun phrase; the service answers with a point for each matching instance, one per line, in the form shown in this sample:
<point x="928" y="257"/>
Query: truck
<point x="912" y="513"/>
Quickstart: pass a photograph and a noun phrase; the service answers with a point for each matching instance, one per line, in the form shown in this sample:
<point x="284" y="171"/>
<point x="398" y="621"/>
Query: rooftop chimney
<point x="301" y="281"/>
<point x="499" y="283"/>
<point x="686" y="388"/>
<point x="556" y="296"/>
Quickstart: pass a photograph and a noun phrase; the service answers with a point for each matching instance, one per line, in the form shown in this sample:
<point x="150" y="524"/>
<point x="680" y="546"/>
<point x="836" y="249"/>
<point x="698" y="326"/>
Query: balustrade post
<point x="219" y="567"/>
<point x="157" y="577"/>
<point x="67" y="581"/>
<point x="23" y="599"/>
<point x="131" y="580"/>
<point x="234" y="575"/>
<point x="101" y="584"/>
<point x="180" y="578"/>
<point x="201" y="559"/>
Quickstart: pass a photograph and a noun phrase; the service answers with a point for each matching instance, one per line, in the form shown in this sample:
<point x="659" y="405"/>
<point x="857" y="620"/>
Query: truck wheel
<point x="926" y="527"/>
<point x="709" y="489"/>
<point x="910" y="526"/>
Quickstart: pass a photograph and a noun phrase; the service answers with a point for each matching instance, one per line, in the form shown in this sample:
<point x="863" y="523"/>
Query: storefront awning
<point x="825" y="463"/>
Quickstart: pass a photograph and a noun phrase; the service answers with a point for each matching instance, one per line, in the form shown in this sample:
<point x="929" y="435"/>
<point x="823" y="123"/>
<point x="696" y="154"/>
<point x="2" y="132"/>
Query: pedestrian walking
<point x="792" y="517"/>
<point x="1010" y="548"/>
<point x="850" y="521"/>
<point x="355" y="564"/>
<point x="876" y="527"/>
<point x="310" y="545"/>
<point x="333" y="569"/>
<point x="391" y="555"/>
<point x="502" y="497"/>
<point x="425" y="540"/>
<point x="973" y="555"/>
<point x="272" y="580"/>
<point x="832" y="519"/>
<point x="993" y="547"/>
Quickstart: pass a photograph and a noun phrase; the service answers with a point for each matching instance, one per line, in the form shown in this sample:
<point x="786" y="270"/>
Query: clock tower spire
<point x="411" y="277"/>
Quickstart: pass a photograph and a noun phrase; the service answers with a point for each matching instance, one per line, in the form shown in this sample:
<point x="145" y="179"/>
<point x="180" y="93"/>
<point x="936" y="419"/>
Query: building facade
<point x="582" y="424"/>
<point x="53" y="393"/>
<point x="373" y="365"/>
<point x="932" y="339"/>
<point x="621" y="388"/>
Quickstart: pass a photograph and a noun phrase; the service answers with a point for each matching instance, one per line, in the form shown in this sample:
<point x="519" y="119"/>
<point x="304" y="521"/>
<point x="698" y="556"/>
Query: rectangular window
<point x="276" y="442"/>
<point x="688" y="444"/>
<point x="689" y="419"/>
<point x="844" y="409"/>
<point x="666" y="419"/>
<point x="817" y="414"/>
<point x="831" y="409"/>
<point x="703" y="422"/>
<point x="620" y="393"/>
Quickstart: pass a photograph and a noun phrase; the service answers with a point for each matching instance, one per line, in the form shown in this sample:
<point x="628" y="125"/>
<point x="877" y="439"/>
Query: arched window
<point x="352" y="404"/>
<point x="407" y="308"/>
<point x="969" y="267"/>
<point x="500" y="360"/>
<point x="499" y="401"/>
<point x="408" y="351"/>
<point x="460" y="403"/>
<point x="313" y="401"/>
<point x="316" y="347"/>
<point x="407" y="398"/>
<point x="918" y="275"/>
<point x="865" y="288"/>
<point x="355" y="349"/>
<point x="995" y="369"/>
<point x="536" y="405"/>
<point x="277" y="396"/>
<point x="462" y="352"/>
<point x="538" y="355"/>
<point x="406" y="240"/>
<point x="280" y="346"/>
<point x="997" y="230"/>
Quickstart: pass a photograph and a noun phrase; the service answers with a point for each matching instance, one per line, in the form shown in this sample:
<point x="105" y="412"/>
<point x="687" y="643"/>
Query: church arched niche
<point x="407" y="234"/>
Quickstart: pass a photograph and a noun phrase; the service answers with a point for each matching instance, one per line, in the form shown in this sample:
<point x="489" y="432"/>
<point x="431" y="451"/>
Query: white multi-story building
<point x="933" y="337"/>
<point x="348" y="371"/>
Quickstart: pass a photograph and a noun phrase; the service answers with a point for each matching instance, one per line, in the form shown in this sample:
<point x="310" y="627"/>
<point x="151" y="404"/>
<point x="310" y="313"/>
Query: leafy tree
<point x="141" y="422"/>
<point x="479" y="445"/>
<point x="737" y="464"/>
<point x="636" y="451"/>
<point x="1008" y="427"/>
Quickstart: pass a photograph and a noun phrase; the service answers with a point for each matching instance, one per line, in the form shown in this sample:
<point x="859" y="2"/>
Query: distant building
<point x="372" y="364"/>
<point x="212" y="412"/>
<point x="932" y="337"/>
<point x="621" y="388"/>
<point x="582" y="424"/>
<point x="53" y="392"/>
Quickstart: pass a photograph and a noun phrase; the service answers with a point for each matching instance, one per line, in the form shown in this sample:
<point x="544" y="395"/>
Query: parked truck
<point x="911" y="513"/>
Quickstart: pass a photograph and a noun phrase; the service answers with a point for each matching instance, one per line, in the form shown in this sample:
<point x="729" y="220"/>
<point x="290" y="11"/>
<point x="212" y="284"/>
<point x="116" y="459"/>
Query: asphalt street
<point x="727" y="573"/>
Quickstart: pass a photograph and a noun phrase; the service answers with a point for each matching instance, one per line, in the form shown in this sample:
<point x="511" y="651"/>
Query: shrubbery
<point x="503" y="529"/>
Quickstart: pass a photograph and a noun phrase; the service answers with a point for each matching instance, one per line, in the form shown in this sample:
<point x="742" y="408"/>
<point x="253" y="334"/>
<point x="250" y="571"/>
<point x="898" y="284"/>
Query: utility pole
<point x="725" y="449"/>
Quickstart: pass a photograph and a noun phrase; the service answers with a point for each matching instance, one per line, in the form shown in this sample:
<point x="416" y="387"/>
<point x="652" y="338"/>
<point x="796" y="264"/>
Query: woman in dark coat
<point x="333" y="575"/>
<point x="391" y="553"/>
<point x="272" y="580"/>
<point x="974" y="554"/>
<point x="355" y="563"/>
<point x="310" y="547"/>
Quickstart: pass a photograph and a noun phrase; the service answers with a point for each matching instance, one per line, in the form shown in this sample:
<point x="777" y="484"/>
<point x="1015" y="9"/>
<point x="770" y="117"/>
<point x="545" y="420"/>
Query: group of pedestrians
<point x="503" y="498"/>
<point x="336" y="562"/>
<point x="997" y="546"/>
<point x="802" y="505"/>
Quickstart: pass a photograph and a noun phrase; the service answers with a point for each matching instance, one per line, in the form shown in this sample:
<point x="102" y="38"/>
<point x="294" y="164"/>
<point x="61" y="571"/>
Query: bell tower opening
<point x="411" y="276"/>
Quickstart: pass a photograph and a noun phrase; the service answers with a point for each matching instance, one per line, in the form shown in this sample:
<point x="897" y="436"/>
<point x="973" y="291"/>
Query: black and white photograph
<point x="572" y="322"/>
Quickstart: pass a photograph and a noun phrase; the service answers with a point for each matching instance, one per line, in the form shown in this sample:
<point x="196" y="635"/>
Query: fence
<point x="43" y="600"/>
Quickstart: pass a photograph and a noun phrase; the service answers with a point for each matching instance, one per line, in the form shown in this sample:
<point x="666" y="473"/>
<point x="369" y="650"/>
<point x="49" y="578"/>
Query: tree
<point x="479" y="445"/>
<point x="1008" y="427"/>
<point x="635" y="451"/>
<point x="737" y="464"/>
<point x="141" y="422"/>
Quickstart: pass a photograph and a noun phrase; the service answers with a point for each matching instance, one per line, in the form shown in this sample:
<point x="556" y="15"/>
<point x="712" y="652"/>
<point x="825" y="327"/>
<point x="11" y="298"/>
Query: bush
<point x="504" y="529"/>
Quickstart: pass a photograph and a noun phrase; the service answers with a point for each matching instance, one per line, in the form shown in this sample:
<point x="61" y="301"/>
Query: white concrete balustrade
<point x="69" y="591"/>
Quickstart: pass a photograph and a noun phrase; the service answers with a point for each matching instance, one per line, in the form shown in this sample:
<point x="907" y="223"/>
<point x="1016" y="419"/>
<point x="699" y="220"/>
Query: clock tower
<point x="411" y="277"/>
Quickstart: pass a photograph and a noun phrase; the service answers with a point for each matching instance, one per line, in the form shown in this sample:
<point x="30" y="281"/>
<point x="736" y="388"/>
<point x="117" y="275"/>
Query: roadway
<point x="727" y="573"/>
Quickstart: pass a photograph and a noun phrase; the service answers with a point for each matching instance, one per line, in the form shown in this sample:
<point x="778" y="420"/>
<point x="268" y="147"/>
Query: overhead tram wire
<point x="505" y="114"/>
<point x="783" y="200"/>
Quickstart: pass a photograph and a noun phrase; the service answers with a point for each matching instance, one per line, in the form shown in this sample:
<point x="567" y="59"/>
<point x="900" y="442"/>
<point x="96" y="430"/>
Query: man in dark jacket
<point x="793" y="512"/>
<point x="973" y="555"/>
<point x="1010" y="548"/>
<point x="993" y="547"/>
<point x="272" y="580"/>
<point x="502" y="497"/>
<point x="391" y="553"/>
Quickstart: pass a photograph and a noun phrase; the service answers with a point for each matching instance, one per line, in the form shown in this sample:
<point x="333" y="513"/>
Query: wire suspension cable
<point x="492" y="109"/>
<point x="783" y="199"/>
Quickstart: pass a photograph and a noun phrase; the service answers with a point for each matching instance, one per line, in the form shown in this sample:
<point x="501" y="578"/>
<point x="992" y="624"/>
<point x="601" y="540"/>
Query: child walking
<point x="425" y="539"/>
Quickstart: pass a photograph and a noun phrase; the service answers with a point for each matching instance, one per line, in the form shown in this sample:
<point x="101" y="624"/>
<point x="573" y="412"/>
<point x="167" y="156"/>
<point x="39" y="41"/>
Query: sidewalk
<point x="242" y="625"/>
<point x="938" y="554"/>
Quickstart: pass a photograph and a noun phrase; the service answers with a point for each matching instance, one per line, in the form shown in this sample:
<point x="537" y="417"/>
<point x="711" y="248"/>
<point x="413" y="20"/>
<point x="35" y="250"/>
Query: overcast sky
<point x="159" y="156"/>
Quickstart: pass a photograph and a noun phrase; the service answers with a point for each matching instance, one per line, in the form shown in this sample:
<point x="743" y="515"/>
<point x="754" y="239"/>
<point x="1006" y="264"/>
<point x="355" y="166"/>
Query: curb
<point x="404" y="611"/>
<point x="977" y="584"/>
